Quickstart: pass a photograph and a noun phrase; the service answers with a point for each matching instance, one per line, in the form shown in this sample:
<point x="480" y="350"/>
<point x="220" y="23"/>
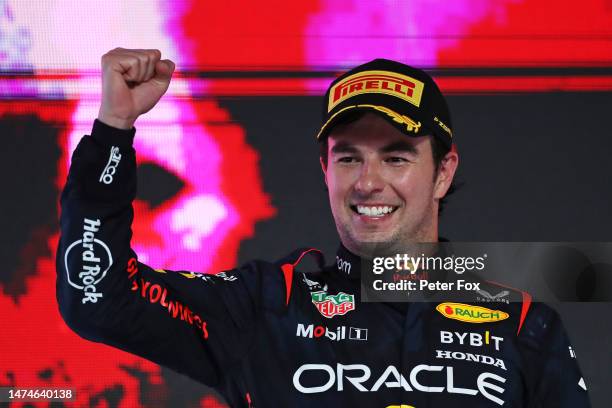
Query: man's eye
<point x="347" y="159"/>
<point x="396" y="160"/>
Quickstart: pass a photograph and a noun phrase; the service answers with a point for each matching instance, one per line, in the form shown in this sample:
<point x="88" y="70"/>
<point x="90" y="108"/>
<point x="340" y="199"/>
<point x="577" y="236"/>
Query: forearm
<point x="95" y="223"/>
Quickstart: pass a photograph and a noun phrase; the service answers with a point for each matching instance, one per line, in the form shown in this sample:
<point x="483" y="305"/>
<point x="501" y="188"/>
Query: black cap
<point x="407" y="97"/>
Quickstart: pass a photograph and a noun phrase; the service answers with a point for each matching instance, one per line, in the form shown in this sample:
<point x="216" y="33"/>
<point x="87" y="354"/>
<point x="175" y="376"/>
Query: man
<point x="267" y="335"/>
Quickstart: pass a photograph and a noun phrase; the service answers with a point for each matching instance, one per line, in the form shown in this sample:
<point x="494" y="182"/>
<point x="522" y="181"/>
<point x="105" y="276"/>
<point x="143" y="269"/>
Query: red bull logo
<point x="384" y="82"/>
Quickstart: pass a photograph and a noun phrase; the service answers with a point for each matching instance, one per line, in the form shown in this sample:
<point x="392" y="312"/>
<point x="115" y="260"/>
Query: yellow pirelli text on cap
<point x="385" y="82"/>
<point x="469" y="313"/>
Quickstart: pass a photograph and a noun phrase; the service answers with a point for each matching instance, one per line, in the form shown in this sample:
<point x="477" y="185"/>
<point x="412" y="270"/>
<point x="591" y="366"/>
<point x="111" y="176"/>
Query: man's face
<point x="382" y="189"/>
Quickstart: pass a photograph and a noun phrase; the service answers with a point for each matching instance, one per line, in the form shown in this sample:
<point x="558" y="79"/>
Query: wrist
<point x="107" y="136"/>
<point x="116" y="122"/>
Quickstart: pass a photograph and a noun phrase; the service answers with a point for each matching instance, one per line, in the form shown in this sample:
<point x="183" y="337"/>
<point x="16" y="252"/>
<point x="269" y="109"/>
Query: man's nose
<point x="370" y="179"/>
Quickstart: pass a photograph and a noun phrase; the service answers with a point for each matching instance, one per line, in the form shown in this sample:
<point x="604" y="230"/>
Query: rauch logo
<point x="469" y="313"/>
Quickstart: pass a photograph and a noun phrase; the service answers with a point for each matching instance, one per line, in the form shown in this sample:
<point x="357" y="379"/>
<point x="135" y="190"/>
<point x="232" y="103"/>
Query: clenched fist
<point x="132" y="83"/>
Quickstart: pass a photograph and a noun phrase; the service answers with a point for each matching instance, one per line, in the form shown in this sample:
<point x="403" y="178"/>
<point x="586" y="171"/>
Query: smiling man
<point x="267" y="335"/>
<point x="384" y="189"/>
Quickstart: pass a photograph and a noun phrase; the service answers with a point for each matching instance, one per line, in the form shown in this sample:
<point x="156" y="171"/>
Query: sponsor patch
<point x="381" y="82"/>
<point x="315" y="378"/>
<point x="156" y="293"/>
<point x="333" y="305"/>
<point x="111" y="167"/>
<point x="485" y="339"/>
<point x="443" y="126"/>
<point x="336" y="334"/>
<point x="488" y="297"/>
<point x="343" y="266"/>
<point x="470" y="313"/>
<point x="478" y="358"/>
<point x="95" y="261"/>
<point x="209" y="277"/>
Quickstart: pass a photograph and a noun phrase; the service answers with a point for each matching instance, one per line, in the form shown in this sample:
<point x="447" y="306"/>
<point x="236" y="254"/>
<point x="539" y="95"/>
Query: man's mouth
<point x="373" y="210"/>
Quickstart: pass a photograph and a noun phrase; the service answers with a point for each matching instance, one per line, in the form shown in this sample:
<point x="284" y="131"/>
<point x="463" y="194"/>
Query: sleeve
<point x="554" y="377"/>
<point x="196" y="324"/>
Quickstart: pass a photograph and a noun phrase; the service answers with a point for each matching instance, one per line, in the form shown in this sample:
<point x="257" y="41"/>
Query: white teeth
<point x="374" y="211"/>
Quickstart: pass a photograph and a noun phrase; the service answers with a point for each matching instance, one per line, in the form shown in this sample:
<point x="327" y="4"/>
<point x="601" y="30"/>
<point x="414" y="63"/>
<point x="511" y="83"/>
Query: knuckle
<point x="133" y="64"/>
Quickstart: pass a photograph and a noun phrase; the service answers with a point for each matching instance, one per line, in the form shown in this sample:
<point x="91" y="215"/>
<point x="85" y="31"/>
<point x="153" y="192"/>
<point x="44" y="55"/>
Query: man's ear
<point x="324" y="168"/>
<point x="446" y="173"/>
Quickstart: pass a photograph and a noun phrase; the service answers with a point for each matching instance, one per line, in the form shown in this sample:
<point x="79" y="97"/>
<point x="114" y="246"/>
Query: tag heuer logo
<point x="333" y="305"/>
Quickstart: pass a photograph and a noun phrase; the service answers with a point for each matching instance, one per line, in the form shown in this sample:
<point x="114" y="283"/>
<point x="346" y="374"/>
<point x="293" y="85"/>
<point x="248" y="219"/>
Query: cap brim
<point x="403" y="123"/>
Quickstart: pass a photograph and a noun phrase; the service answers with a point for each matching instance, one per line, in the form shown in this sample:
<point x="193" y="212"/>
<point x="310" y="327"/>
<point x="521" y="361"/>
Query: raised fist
<point x="132" y="83"/>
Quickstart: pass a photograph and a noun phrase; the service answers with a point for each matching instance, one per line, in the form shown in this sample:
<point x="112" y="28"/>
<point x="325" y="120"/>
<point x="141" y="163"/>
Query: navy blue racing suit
<point x="268" y="335"/>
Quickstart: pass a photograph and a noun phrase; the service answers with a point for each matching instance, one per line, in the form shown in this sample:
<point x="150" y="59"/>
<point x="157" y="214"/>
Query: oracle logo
<point x="440" y="379"/>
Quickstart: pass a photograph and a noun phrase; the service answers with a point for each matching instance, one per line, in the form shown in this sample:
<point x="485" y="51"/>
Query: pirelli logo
<point x="385" y="82"/>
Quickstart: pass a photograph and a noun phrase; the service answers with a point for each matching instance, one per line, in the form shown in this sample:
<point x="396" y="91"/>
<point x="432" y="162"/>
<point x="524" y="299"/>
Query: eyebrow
<point x="401" y="146"/>
<point x="343" y="147"/>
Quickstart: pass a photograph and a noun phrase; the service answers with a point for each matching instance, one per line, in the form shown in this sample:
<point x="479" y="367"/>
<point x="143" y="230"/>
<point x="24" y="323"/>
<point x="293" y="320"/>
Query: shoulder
<point x="533" y="321"/>
<point x="499" y="301"/>
<point x="278" y="279"/>
<point x="299" y="255"/>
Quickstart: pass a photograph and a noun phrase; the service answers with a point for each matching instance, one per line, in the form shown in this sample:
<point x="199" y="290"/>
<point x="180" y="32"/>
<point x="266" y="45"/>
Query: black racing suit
<point x="266" y="335"/>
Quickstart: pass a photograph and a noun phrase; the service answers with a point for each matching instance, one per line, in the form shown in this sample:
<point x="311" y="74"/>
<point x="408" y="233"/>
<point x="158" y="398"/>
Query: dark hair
<point x="438" y="151"/>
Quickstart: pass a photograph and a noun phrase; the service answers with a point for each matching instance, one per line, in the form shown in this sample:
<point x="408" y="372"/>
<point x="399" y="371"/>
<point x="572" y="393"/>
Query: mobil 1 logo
<point x="87" y="260"/>
<point x="336" y="334"/>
